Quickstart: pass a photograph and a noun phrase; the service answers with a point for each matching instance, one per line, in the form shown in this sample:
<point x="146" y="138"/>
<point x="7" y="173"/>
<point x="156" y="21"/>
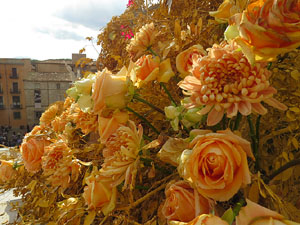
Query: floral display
<point x="192" y="117"/>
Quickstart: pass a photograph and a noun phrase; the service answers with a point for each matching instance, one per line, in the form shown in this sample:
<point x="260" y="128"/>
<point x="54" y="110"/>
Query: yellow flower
<point x="6" y="170"/>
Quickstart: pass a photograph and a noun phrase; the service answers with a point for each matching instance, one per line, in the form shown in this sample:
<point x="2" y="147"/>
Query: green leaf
<point x="228" y="216"/>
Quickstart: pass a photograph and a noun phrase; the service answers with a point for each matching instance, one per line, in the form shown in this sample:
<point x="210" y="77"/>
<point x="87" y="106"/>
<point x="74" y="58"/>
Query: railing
<point x="16" y="106"/>
<point x="15" y="91"/>
<point x="14" y="76"/>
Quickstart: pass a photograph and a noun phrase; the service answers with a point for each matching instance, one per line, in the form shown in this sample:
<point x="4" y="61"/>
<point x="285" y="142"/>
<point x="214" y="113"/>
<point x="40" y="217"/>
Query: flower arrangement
<point x="186" y="122"/>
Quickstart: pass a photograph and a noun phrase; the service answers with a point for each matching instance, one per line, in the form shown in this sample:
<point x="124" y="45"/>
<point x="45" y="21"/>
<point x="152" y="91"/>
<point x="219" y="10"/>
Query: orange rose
<point x="267" y="28"/>
<point x="6" y="170"/>
<point x="99" y="194"/>
<point x="206" y="219"/>
<point x="227" y="9"/>
<point x="109" y="90"/>
<point x="217" y="164"/>
<point x="147" y="69"/>
<point x="255" y="214"/>
<point x="107" y="126"/>
<point x="183" y="203"/>
<point x="184" y="61"/>
<point x="32" y="152"/>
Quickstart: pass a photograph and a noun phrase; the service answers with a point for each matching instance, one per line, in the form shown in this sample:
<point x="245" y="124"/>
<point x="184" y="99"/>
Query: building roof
<point x="36" y="76"/>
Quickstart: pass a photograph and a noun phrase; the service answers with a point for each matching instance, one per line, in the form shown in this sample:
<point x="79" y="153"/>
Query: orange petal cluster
<point x="58" y="165"/>
<point x="225" y="82"/>
<point x="51" y="113"/>
<point x="217" y="164"/>
<point x="32" y="149"/>
<point x="183" y="203"/>
<point x="268" y="28"/>
<point x="142" y="41"/>
<point x="7" y="171"/>
<point x="253" y="213"/>
<point x="122" y="151"/>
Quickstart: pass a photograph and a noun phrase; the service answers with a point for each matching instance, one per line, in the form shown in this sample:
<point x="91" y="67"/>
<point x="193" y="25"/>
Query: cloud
<point x="91" y="13"/>
<point x="60" y="34"/>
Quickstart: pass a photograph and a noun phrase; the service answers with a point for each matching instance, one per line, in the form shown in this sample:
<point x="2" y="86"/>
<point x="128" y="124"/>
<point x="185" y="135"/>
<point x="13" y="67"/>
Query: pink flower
<point x="225" y="82"/>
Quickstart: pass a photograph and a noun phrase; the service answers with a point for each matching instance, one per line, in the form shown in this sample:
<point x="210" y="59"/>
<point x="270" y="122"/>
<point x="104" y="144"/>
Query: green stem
<point x="253" y="141"/>
<point x="237" y="121"/>
<point x="147" y="138"/>
<point x="257" y="128"/>
<point x="143" y="118"/>
<point x="151" y="51"/>
<point x="224" y="122"/>
<point x="168" y="93"/>
<point x="269" y="65"/>
<point x="238" y="206"/>
<point x="149" y="104"/>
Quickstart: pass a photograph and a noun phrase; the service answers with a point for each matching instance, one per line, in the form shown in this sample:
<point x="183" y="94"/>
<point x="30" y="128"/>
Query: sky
<point x="53" y="29"/>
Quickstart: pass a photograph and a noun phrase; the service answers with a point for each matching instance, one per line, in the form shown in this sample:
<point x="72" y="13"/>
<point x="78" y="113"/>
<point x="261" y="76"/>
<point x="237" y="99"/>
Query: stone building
<point x="12" y="95"/>
<point x="44" y="85"/>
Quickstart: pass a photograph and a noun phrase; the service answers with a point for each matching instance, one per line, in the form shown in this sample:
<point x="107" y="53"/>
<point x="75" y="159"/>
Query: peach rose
<point x="183" y="203"/>
<point x="109" y="90"/>
<point x="267" y="28"/>
<point x="32" y="152"/>
<point x="108" y="126"/>
<point x="217" y="164"/>
<point x="99" y="194"/>
<point x="206" y="219"/>
<point x="254" y="214"/>
<point x="184" y="61"/>
<point x="7" y="171"/>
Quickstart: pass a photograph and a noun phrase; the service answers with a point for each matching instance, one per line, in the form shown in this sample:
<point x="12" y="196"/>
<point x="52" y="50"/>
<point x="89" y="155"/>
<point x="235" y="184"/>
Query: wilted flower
<point x="267" y="28"/>
<point x="108" y="125"/>
<point x="142" y="41"/>
<point x="99" y="193"/>
<point x="227" y="9"/>
<point x="225" y="82"/>
<point x="183" y="203"/>
<point x="184" y="60"/>
<point x="7" y="171"/>
<point x="171" y="151"/>
<point x="110" y="90"/>
<point x="253" y="213"/>
<point x="217" y="164"/>
<point x="58" y="165"/>
<point x="122" y="151"/>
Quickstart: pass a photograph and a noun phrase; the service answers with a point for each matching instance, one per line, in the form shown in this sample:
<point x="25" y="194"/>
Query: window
<point x="14" y="72"/>
<point x="17" y="115"/>
<point x="15" y="87"/>
<point x="38" y="114"/>
<point x="16" y="102"/>
<point x="58" y="86"/>
<point x="1" y="102"/>
<point x="37" y="85"/>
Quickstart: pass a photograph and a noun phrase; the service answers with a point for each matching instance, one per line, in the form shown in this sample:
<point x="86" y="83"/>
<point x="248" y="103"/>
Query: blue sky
<point x="51" y="29"/>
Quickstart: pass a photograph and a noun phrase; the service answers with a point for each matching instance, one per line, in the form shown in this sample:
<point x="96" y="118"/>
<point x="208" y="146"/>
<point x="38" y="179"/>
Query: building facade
<point x="12" y="95"/>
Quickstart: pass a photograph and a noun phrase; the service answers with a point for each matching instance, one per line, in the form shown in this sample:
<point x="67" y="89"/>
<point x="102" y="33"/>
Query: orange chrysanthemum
<point x="122" y="150"/>
<point x="59" y="166"/>
<point x="142" y="41"/>
<point x="225" y="82"/>
<point x="51" y="113"/>
<point x="85" y="121"/>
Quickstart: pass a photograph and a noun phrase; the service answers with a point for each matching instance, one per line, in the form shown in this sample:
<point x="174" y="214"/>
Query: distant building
<point x="12" y="95"/>
<point x="28" y="87"/>
<point x="44" y="85"/>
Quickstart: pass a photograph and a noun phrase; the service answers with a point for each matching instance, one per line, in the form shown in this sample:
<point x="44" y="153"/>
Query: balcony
<point x="16" y="106"/>
<point x="15" y="91"/>
<point x="14" y="76"/>
<point x="2" y="106"/>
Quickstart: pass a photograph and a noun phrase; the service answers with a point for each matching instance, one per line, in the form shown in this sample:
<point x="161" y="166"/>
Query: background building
<point x="12" y="95"/>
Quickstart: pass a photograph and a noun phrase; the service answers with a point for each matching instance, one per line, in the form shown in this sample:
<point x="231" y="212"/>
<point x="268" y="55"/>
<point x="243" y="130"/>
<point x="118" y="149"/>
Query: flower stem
<point x="254" y="142"/>
<point x="149" y="104"/>
<point x="168" y="93"/>
<point x="237" y="121"/>
<point x="238" y="206"/>
<point x="283" y="168"/>
<point x="151" y="51"/>
<point x="143" y="118"/>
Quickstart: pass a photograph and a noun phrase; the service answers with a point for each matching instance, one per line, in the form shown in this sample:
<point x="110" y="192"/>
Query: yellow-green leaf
<point x="89" y="218"/>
